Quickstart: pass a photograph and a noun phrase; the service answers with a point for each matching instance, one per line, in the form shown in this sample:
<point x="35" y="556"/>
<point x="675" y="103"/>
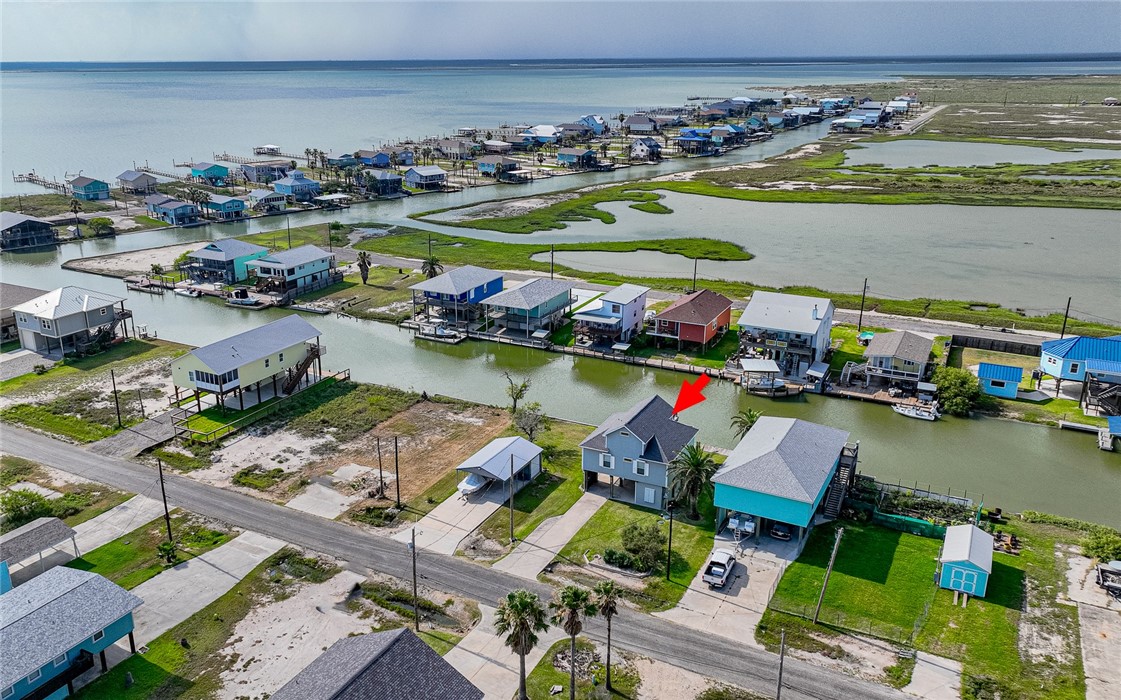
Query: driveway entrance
<point x="447" y="524"/>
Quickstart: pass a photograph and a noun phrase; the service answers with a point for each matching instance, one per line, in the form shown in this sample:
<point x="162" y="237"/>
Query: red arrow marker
<point x="690" y="394"/>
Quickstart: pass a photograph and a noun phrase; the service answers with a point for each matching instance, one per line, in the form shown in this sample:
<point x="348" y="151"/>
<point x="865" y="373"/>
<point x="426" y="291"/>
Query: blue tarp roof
<point x="1082" y="348"/>
<point x="1001" y="373"/>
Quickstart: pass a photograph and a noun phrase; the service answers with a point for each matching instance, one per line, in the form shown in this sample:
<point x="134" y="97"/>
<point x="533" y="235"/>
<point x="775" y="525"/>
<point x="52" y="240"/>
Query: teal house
<point x="225" y="208"/>
<point x="784" y="471"/>
<point x="89" y="189"/>
<point x="224" y="261"/>
<point x="211" y="173"/>
<point x="999" y="380"/>
<point x="532" y="306"/>
<point x="966" y="560"/>
<point x="1066" y="358"/>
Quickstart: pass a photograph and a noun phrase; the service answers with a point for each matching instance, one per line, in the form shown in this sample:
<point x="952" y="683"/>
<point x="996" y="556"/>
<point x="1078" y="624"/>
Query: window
<point x="191" y="375"/>
<point x="35" y="675"/>
<point x="98" y="636"/>
<point x="615" y="308"/>
<point x="281" y="358"/>
<point x="45" y="323"/>
<point x="266" y="362"/>
<point x="59" y="660"/>
<point x="1073" y="365"/>
<point x="996" y="384"/>
<point x="641" y="468"/>
<point x="8" y="692"/>
<point x="104" y="311"/>
<point x="22" y="318"/>
<point x="624" y="433"/>
<point x="606" y="461"/>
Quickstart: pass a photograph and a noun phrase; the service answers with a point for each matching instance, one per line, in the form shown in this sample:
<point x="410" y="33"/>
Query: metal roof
<point x="785" y="312"/>
<point x="458" y="281"/>
<point x="295" y="256"/>
<point x="1103" y="367"/>
<point x="65" y="301"/>
<point x="575" y="152"/>
<point x="82" y="181"/>
<point x="700" y="308"/>
<point x="428" y="170"/>
<point x="497" y="160"/>
<point x="10" y="219"/>
<point x="53" y="613"/>
<point x="1114" y="423"/>
<point x="968" y="543"/>
<point x="393" y="665"/>
<point x="133" y="176"/>
<point x="651" y="421"/>
<point x="264" y="194"/>
<point x="295" y="177"/>
<point x="1001" y="373"/>
<point x="252" y="345"/>
<point x="759" y="366"/>
<point x="784" y="457"/>
<point x="226" y="249"/>
<point x="383" y="175"/>
<point x="32" y="538"/>
<point x="1080" y="347"/>
<point x="222" y="199"/>
<point x="207" y="166"/>
<point x="902" y="344"/>
<point x="530" y="294"/>
<point x="493" y="461"/>
<point x="624" y="294"/>
<point x="14" y="294"/>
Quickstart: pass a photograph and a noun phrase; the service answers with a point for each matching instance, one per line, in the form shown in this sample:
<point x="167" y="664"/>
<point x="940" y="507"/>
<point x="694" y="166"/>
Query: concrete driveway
<point x="447" y="524"/>
<point x="534" y="553"/>
<point x="484" y="659"/>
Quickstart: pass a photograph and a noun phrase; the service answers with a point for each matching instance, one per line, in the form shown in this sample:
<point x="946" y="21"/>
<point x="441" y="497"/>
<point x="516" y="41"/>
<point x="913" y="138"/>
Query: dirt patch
<point x="504" y="208"/>
<point x="863" y="658"/>
<point x="152" y="378"/>
<point x="663" y="680"/>
<point x="268" y="446"/>
<point x="482" y="548"/>
<point x="136" y="262"/>
<point x="1044" y="637"/>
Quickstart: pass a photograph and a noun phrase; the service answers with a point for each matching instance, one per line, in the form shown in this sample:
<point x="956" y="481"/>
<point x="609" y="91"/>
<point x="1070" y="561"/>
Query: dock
<point x="1084" y="427"/>
<point x="55" y="185"/>
<point x="161" y="173"/>
<point x="245" y="160"/>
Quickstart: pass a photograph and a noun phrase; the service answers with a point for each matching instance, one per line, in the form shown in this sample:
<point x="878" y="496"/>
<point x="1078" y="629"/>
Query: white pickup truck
<point x="719" y="569"/>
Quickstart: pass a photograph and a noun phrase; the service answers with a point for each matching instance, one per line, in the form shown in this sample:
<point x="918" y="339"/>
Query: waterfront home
<point x="711" y="115"/>
<point x="497" y="147"/>
<point x="88" y="189"/>
<point x="776" y="121"/>
<point x="809" y="114"/>
<point x="297" y="271"/>
<point x="275" y="356"/>
<point x="297" y="187"/>
<point x="576" y="157"/>
<point x="785" y="471"/>
<point x="1066" y="358"/>
<point x="69" y="319"/>
<point x="520" y="142"/>
<point x="426" y="177"/>
<point x="899" y="108"/>
<point x="11" y="296"/>
<point x="616" y="317"/>
<point x="506" y="464"/>
<point x="495" y="166"/>
<point x="456" y="294"/>
<point x="225" y="261"/>
<point x="171" y="210"/>
<point x="700" y="318"/>
<point x="966" y="560"/>
<point x="640" y="124"/>
<point x="383" y="183"/>
<point x="664" y="120"/>
<point x="223" y="208"/>
<point x="341" y="160"/>
<point x="391" y="665"/>
<point x="530" y="306"/>
<point x="727" y="135"/>
<point x="136" y="183"/>
<point x="266" y="171"/>
<point x="387" y="157"/>
<point x="755" y="125"/>
<point x="634" y="449"/>
<point x="23" y="231"/>
<point x="570" y="130"/>
<point x="596" y="123"/>
<point x="210" y="173"/>
<point x="898" y="356"/>
<point x="646" y="148"/>
<point x="267" y="200"/>
<point x="456" y="149"/>
<point x="52" y="628"/>
<point x="788" y="328"/>
<point x="693" y="141"/>
<point x="543" y="133"/>
<point x="1000" y="380"/>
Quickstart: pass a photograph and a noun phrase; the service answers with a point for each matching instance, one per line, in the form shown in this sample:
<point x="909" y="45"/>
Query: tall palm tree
<point x="520" y="617"/>
<point x="607" y="605"/>
<point x="75" y="207"/>
<point x="431" y="267"/>
<point x="744" y="421"/>
<point x="570" y="606"/>
<point x="364" y="265"/>
<point x="690" y="475"/>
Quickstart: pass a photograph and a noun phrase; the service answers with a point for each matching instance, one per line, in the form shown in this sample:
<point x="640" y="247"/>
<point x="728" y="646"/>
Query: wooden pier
<point x="243" y="160"/>
<point x="279" y="154"/>
<point x="55" y="185"/>
<point x="161" y="173"/>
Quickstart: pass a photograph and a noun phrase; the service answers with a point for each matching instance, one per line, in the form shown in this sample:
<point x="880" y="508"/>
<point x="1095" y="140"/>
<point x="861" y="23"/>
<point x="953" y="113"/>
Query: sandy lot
<point x="137" y="262"/>
<point x="265" y="445"/>
<point x="661" y="680"/>
<point x="153" y="377"/>
<point x="503" y="209"/>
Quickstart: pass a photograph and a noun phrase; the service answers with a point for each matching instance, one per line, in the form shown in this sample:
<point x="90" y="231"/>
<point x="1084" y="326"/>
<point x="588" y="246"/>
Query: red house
<point x="694" y="318"/>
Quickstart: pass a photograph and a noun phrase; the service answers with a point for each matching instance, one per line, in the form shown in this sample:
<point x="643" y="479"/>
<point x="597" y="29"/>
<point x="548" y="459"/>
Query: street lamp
<point x="670" y="505"/>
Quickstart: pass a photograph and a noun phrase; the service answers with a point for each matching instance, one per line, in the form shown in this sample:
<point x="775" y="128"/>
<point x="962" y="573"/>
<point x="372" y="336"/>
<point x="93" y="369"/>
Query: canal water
<point x="919" y="154"/>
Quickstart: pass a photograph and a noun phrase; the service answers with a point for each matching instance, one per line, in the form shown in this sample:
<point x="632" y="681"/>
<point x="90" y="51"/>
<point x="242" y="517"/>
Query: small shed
<point x="502" y="457"/>
<point x="999" y="380"/>
<point x="967" y="560"/>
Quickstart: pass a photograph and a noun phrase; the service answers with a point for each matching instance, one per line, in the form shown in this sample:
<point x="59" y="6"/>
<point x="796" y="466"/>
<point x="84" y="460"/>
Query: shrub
<point x="21" y="507"/>
<point x="614" y="557"/>
<point x="1103" y="545"/>
<point x="645" y="544"/>
<point x="958" y="390"/>
<point x="39" y="369"/>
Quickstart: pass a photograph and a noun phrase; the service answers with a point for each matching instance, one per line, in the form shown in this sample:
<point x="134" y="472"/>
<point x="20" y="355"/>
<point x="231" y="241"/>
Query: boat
<point x="920" y="412"/>
<point x="309" y="308"/>
<point x="184" y="292"/>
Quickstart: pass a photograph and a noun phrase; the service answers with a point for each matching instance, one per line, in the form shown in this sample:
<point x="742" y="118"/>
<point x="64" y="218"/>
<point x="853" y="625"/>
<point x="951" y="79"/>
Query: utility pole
<point x="552" y="251"/>
<point x="864" y="293"/>
<point x="1066" y="315"/>
<point x="694" y="274"/>
<point x="163" y="492"/>
<point x="829" y="570"/>
<point x="416" y="606"/>
<point x="669" y="549"/>
<point x="511" y="499"/>
<point x="116" y="398"/>
<point x="140" y="400"/>
<point x="381" y="474"/>
<point x="781" y="657"/>
<point x="430" y="245"/>
<point x="288" y="220"/>
<point x="397" y="472"/>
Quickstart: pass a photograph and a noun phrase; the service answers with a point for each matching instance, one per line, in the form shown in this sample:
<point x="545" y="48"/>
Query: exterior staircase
<point x="842" y="479"/>
<point x="850" y="369"/>
<point x="301" y="370"/>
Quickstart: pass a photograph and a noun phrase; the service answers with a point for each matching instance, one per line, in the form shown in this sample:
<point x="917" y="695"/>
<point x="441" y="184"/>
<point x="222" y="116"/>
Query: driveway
<point x="535" y="552"/>
<point x="484" y="659"/>
<point x="447" y="524"/>
<point x="935" y="678"/>
<point x="1101" y="651"/>
<point x="734" y="610"/>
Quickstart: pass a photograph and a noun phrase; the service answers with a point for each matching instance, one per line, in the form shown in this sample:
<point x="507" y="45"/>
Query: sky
<point x="272" y="30"/>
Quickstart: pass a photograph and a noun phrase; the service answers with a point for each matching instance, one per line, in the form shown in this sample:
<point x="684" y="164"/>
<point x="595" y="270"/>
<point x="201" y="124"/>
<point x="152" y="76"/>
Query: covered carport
<point x="503" y="460"/>
<point x="33" y="538"/>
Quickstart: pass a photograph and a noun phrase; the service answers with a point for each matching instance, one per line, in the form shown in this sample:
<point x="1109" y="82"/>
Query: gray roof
<point x="158" y="199"/>
<point x="493" y="460"/>
<point x="250" y="346"/>
<point x="295" y="256"/>
<point x="624" y="294"/>
<point x="498" y="160"/>
<point x="133" y="176"/>
<point x="65" y="301"/>
<point x="428" y="170"/>
<point x="206" y="166"/>
<point x="53" y="613"/>
<point x="226" y="249"/>
<point x="383" y="175"/>
<point x="458" y="281"/>
<point x="10" y="219"/>
<point x="393" y="665"/>
<point x="639" y="119"/>
<point x="968" y="543"/>
<point x="785" y="312"/>
<point x="902" y="344"/>
<point x="652" y="422"/>
<point x="575" y="151"/>
<point x="14" y="294"/>
<point x="33" y="538"/>
<point x="222" y="199"/>
<point x="530" y="294"/>
<point x="82" y="181"/>
<point x="784" y="457"/>
<point x="263" y="194"/>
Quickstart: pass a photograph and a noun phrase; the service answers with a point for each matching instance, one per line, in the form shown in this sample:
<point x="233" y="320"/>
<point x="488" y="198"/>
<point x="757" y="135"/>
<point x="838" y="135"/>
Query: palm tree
<point x="607" y="605"/>
<point x="691" y="474"/>
<point x="364" y="265"/>
<point x="744" y="421"/>
<point x="520" y="617"/>
<point x="431" y="267"/>
<point x="156" y="269"/>
<point x="570" y="606"/>
<point x="75" y="207"/>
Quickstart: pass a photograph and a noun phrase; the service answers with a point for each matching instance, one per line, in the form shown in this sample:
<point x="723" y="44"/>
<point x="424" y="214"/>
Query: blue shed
<point x="967" y="560"/>
<point x="1000" y="380"/>
<point x="1066" y="358"/>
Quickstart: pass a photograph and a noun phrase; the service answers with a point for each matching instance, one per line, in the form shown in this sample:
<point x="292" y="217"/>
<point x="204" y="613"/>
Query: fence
<point x="1014" y="347"/>
<point x="848" y="622"/>
<point x="926" y="493"/>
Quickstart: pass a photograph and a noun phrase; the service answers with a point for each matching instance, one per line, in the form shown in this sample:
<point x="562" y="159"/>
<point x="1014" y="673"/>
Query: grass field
<point x="715" y="356"/>
<point x="971" y="357"/>
<point x="582" y="208"/>
<point x="986" y="90"/>
<point x="50" y="204"/>
<point x="384" y="297"/>
<point x="314" y="234"/>
<point x="68" y="371"/>
<point x="545" y="675"/>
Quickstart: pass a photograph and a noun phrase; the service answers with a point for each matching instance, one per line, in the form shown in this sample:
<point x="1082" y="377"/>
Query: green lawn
<point x="374" y="300"/>
<point x="70" y="371"/>
<point x="314" y="234"/>
<point x="440" y="641"/>
<point x="850" y="350"/>
<point x="47" y="204"/>
<point x="1048" y="411"/>
<point x="970" y="357"/>
<point x="132" y="559"/>
<point x="716" y="356"/>
<point x="545" y="675"/>
<point x="42" y="418"/>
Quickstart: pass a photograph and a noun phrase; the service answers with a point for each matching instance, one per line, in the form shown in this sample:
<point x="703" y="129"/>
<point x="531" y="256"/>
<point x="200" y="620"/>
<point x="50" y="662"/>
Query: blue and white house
<point x="385" y="158"/>
<point x="530" y="307"/>
<point x="54" y="626"/>
<point x="89" y="189"/>
<point x="456" y="294"/>
<point x="302" y="269"/>
<point x="136" y="183"/>
<point x="171" y="210"/>
<point x="619" y="316"/>
<point x="596" y="123"/>
<point x="266" y="171"/>
<point x="576" y="157"/>
<point x="1066" y="358"/>
<point x="781" y="472"/>
<point x="426" y="177"/>
<point x="210" y="173"/>
<point x="966" y="560"/>
<point x="1000" y="380"/>
<point x="225" y="208"/>
<point x="297" y="186"/>
<point x="633" y="450"/>
<point x="792" y="329"/>
<point x="267" y="200"/>
<point x="645" y="148"/>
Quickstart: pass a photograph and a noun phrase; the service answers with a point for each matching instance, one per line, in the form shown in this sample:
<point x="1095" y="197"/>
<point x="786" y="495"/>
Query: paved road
<point x="923" y="325"/>
<point x="644" y="634"/>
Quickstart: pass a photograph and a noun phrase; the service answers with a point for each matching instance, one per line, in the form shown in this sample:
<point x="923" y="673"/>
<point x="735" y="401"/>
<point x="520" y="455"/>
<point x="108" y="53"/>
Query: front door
<point x="964" y="581"/>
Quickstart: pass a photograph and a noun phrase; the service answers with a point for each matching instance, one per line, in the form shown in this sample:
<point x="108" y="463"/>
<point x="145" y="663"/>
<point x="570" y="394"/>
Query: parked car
<point x="720" y="566"/>
<point x="472" y="484"/>
<point x="780" y="532"/>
